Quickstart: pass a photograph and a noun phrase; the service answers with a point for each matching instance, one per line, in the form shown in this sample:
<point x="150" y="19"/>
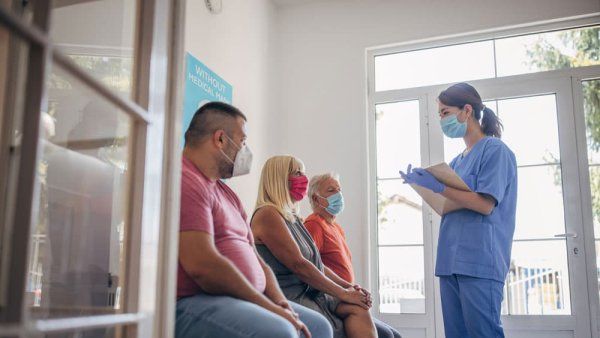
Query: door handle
<point x="566" y="235"/>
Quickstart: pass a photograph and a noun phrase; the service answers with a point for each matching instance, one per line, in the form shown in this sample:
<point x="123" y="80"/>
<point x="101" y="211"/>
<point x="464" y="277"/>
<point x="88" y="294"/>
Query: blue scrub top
<point x="471" y="243"/>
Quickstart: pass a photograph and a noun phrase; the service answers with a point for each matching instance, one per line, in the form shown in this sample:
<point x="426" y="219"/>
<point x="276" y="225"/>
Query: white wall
<point x="237" y="45"/>
<point x="322" y="79"/>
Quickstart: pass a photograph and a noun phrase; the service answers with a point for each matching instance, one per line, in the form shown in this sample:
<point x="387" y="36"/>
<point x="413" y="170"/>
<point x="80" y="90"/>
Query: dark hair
<point x="209" y="118"/>
<point x="461" y="94"/>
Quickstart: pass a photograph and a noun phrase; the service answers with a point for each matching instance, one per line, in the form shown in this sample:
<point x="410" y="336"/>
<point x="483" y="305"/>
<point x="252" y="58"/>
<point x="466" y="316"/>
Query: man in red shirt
<point x="224" y="289"/>
<point x="326" y="200"/>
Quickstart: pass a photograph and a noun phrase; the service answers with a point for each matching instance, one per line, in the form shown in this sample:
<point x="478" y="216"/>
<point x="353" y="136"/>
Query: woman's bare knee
<point x="357" y="313"/>
<point x="344" y="309"/>
<point x="357" y="321"/>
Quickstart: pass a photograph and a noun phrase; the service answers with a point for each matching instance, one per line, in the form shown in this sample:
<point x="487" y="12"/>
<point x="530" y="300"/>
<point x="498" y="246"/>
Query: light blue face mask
<point x="452" y="127"/>
<point x="336" y="203"/>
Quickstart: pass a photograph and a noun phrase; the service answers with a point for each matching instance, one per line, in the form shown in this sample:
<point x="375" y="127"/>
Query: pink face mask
<point x="298" y="187"/>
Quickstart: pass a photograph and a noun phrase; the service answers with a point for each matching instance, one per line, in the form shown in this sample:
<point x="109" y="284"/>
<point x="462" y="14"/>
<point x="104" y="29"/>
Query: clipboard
<point x="447" y="176"/>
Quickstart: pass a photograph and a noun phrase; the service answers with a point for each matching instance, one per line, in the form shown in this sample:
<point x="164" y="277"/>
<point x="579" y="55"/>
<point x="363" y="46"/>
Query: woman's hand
<point x="422" y="178"/>
<point x="365" y="292"/>
<point x="353" y="296"/>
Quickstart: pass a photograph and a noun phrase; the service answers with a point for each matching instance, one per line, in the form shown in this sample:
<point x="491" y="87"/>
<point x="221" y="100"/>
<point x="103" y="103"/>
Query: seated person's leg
<point x="385" y="330"/>
<point x="317" y="324"/>
<point x="205" y="316"/>
<point x="357" y="321"/>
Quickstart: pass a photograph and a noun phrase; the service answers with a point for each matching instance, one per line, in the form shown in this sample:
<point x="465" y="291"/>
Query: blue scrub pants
<point x="471" y="307"/>
<point x="206" y="316"/>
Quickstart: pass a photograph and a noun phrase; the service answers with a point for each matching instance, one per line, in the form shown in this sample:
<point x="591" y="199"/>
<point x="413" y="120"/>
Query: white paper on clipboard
<point x="448" y="177"/>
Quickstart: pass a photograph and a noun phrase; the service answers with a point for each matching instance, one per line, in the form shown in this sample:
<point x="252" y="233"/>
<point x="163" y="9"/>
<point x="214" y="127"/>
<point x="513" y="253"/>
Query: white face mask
<point x="243" y="159"/>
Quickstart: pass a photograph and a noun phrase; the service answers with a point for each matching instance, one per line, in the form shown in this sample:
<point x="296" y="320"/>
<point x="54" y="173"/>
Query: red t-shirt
<point x="331" y="242"/>
<point x="212" y="207"/>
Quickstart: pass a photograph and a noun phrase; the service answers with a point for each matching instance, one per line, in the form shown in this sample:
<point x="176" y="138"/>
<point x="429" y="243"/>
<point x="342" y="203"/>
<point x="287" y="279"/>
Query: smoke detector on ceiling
<point x="214" y="6"/>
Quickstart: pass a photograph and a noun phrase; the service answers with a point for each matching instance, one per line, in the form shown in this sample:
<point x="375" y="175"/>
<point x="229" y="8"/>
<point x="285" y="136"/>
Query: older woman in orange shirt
<point x="327" y="201"/>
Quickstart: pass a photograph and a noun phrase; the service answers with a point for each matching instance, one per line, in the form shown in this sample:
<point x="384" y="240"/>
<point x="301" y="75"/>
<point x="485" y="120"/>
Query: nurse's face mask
<point x="452" y="126"/>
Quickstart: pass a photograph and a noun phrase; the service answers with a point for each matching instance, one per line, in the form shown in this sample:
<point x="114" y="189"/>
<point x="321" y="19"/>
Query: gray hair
<point x="315" y="183"/>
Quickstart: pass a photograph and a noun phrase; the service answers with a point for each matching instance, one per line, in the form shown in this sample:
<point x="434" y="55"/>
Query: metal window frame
<point x="482" y="35"/>
<point x="152" y="222"/>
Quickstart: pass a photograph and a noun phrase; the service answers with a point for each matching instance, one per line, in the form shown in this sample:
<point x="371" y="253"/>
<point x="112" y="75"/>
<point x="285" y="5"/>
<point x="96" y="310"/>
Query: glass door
<point x="544" y="293"/>
<point x="404" y="272"/>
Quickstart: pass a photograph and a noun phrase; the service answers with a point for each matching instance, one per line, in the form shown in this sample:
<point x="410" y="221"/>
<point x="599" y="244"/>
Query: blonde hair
<point x="315" y="184"/>
<point x="273" y="189"/>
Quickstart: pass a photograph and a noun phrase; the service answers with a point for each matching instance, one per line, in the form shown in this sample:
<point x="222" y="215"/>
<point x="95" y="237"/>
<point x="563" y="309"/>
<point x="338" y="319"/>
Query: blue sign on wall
<point x="202" y="85"/>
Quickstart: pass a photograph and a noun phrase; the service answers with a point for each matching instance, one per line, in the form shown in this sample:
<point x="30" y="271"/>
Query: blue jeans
<point x="206" y="316"/>
<point x="471" y="307"/>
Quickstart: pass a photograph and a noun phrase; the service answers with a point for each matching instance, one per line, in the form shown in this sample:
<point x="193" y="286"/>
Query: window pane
<point x="401" y="280"/>
<point x="398" y="137"/>
<point x="595" y="189"/>
<point x="540" y="188"/>
<point x="434" y="66"/>
<point x="538" y="280"/>
<point x="113" y="71"/>
<point x="598" y="264"/>
<point x="501" y="57"/>
<point x="591" y="104"/>
<point x="106" y="53"/>
<point x="548" y="51"/>
<point x="399" y="216"/>
<point x="455" y="146"/>
<point x="522" y="117"/>
<point x="76" y="258"/>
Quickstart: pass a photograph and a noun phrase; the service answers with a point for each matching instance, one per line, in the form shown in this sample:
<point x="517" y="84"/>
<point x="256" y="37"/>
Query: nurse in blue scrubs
<point x="475" y="242"/>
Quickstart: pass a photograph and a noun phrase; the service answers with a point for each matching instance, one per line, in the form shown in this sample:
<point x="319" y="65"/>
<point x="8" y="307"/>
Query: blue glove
<point x="422" y="178"/>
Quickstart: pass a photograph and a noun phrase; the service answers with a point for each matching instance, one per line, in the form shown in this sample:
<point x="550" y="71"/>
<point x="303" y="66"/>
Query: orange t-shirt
<point x="331" y="242"/>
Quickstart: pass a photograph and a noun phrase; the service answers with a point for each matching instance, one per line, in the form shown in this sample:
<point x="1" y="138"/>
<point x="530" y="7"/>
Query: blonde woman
<point x="285" y="245"/>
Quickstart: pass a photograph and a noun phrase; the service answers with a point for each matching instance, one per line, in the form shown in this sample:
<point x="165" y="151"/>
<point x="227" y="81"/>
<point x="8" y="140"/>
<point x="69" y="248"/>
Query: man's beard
<point x="226" y="167"/>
